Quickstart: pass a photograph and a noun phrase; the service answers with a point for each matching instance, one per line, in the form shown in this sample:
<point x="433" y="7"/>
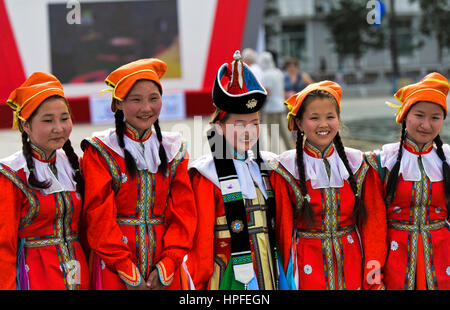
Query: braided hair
<point x="26" y="150"/>
<point x="359" y="210"/>
<point x="393" y="175"/>
<point x="130" y="164"/>
<point x="305" y="210"/>
<point x="75" y="163"/>
<point x="445" y="172"/>
<point x="161" y="151"/>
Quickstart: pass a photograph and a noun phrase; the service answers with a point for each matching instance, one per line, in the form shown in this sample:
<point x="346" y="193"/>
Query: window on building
<point x="293" y="40"/>
<point x="405" y="37"/>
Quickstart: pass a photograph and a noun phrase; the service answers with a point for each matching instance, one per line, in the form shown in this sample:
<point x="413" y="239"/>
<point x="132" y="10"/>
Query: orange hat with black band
<point x="295" y="101"/>
<point x="123" y="78"/>
<point x="432" y="88"/>
<point x="25" y="99"/>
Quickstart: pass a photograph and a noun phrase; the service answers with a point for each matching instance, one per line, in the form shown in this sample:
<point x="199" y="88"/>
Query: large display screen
<point x="110" y="34"/>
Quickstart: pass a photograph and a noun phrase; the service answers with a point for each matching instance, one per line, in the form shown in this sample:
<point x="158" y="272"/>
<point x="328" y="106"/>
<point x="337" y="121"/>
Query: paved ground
<point x="368" y="124"/>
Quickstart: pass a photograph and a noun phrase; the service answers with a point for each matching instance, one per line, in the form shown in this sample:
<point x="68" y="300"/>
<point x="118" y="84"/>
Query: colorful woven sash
<point x="241" y="256"/>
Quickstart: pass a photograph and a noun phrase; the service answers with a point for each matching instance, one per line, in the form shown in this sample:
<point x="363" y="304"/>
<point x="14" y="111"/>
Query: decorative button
<point x="394" y="245"/>
<point x="123" y="177"/>
<point x="350" y="239"/>
<point x="237" y="226"/>
<point x="307" y="269"/>
<point x="251" y="103"/>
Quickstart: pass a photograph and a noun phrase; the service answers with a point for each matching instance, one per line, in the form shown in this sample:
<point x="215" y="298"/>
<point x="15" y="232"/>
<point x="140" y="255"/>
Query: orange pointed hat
<point x="295" y="101"/>
<point x="25" y="99"/>
<point x="123" y="78"/>
<point x="432" y="88"/>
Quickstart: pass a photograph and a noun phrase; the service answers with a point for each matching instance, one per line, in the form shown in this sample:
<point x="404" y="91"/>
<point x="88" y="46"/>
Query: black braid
<point x="162" y="151"/>
<point x="393" y="175"/>
<point x="32" y="180"/>
<point x="74" y="162"/>
<point x="130" y="164"/>
<point x="445" y="172"/>
<point x="258" y="158"/>
<point x="359" y="211"/>
<point x="305" y="210"/>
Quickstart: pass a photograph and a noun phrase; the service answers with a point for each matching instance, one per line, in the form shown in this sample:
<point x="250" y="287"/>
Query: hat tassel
<point x="395" y="106"/>
<point x="237" y="80"/>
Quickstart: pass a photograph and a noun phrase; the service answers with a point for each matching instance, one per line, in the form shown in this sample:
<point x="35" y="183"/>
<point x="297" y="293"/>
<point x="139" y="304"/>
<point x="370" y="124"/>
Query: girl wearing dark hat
<point x="330" y="218"/>
<point x="42" y="191"/>
<point x="139" y="209"/>
<point x="416" y="179"/>
<point x="234" y="246"/>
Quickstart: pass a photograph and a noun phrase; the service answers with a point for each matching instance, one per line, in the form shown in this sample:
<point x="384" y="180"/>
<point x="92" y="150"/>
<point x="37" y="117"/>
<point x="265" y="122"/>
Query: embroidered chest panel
<point x="48" y="220"/>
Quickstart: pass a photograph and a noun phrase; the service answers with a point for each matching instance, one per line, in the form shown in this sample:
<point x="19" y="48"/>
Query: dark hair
<point x="68" y="150"/>
<point x="291" y="61"/>
<point x="393" y="174"/>
<point x="445" y="172"/>
<point x="161" y="151"/>
<point x="130" y="164"/>
<point x="305" y="210"/>
<point x="216" y="114"/>
<point x="359" y="210"/>
<point x="74" y="162"/>
<point x="27" y="152"/>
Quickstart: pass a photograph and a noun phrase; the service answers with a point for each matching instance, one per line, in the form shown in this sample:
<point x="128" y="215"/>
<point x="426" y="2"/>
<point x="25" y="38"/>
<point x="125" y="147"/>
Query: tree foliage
<point x="350" y="32"/>
<point x="435" y="17"/>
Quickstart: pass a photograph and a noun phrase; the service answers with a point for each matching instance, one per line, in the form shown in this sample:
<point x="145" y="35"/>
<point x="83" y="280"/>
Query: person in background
<point x="250" y="57"/>
<point x="274" y="110"/>
<point x="294" y="79"/>
<point x="41" y="194"/>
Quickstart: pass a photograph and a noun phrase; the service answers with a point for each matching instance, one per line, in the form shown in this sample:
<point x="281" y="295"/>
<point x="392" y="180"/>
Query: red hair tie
<point x="221" y="115"/>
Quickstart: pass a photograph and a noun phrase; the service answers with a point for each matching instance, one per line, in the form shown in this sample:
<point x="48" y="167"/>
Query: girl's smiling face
<point x="424" y="122"/>
<point x="240" y="130"/>
<point x="319" y="122"/>
<point x="142" y="105"/>
<point x="50" y="126"/>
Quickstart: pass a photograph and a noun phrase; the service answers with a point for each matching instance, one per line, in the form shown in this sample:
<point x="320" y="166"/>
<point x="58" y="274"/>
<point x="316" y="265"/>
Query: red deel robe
<point x="49" y="226"/>
<point x="418" y="235"/>
<point x="362" y="256"/>
<point x="129" y="246"/>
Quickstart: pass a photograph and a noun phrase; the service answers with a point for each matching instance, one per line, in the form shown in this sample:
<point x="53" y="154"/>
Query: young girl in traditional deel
<point x="139" y="212"/>
<point x="330" y="217"/>
<point x="42" y="188"/>
<point x="416" y="179"/>
<point x="234" y="246"/>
